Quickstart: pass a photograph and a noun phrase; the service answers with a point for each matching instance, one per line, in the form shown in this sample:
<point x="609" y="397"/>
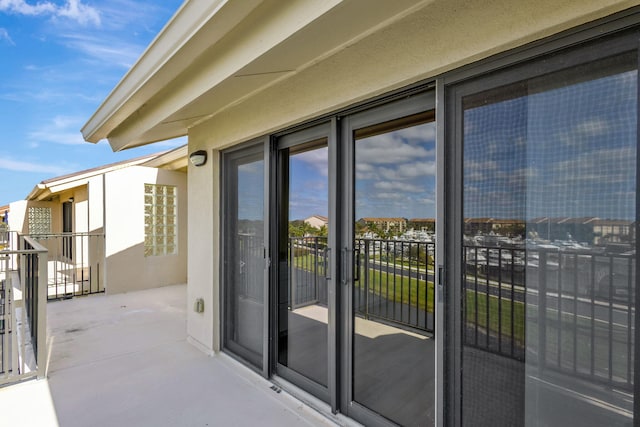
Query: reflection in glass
<point x="393" y="299"/>
<point x="302" y="261"/>
<point x="244" y="257"/>
<point x="549" y="249"/>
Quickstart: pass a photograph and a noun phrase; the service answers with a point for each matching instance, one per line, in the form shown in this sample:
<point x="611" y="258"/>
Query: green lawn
<point x="398" y="288"/>
<point x="497" y="309"/>
<point x="412" y="291"/>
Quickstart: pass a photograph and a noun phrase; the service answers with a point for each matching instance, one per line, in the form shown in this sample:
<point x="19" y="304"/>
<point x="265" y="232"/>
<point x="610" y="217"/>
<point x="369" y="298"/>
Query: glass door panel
<point x="549" y="274"/>
<point x="244" y="248"/>
<point x="303" y="260"/>
<point x="392" y="313"/>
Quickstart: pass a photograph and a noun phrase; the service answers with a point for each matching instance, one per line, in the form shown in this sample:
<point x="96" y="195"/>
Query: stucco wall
<point x="127" y="268"/>
<point x="442" y="36"/>
<point x="19" y="211"/>
<point x="17" y="215"/>
<point x="204" y="219"/>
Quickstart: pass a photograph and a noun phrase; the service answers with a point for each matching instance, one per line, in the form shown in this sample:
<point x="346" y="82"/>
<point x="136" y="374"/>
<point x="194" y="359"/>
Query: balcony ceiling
<point x="214" y="55"/>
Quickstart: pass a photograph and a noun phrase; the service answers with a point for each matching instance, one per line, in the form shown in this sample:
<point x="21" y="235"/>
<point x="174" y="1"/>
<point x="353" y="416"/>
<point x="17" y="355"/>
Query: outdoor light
<point x="198" y="158"/>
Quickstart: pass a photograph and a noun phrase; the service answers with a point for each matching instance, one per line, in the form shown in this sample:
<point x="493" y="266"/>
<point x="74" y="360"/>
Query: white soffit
<point x="210" y="57"/>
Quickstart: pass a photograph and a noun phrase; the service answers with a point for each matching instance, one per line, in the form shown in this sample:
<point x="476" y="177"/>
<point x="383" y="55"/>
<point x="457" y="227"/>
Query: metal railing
<point x="577" y="306"/>
<point x="23" y="278"/>
<point x="393" y="281"/>
<point x="571" y="311"/>
<point x="307" y="271"/>
<point x="76" y="263"/>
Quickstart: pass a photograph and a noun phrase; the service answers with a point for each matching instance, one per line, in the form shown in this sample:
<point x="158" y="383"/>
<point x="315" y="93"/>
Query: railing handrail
<point x="65" y="233"/>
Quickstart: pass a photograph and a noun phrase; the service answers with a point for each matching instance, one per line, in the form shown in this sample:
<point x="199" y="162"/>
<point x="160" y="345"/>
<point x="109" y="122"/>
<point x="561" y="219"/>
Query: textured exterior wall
<point x="127" y="269"/>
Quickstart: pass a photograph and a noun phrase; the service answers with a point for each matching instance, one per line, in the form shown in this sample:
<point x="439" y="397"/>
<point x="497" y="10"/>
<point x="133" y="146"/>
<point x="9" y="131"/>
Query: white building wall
<point x="127" y="269"/>
<point x="95" y="209"/>
<point x="18" y="216"/>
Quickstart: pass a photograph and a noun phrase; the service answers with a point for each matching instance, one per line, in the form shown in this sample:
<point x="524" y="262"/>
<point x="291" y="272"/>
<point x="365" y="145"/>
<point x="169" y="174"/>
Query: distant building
<point x="422" y="224"/>
<point x="613" y="231"/>
<point x="580" y="229"/>
<point x="478" y="225"/>
<point x="4" y="214"/>
<point x="387" y="224"/>
<point x="317" y="221"/>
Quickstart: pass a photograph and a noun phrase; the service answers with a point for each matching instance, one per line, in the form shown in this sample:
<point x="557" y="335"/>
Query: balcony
<point x="124" y="360"/>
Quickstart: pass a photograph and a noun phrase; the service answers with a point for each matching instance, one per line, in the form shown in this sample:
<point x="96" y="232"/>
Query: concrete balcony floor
<point x="123" y="360"/>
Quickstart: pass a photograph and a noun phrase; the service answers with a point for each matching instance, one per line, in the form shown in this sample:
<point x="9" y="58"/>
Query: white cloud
<point x="62" y="130"/>
<point x="106" y="50"/>
<point x="20" y="166"/>
<point x="73" y="10"/>
<point x="400" y="187"/>
<point x="79" y="12"/>
<point x="4" y="36"/>
<point x="390" y="149"/>
<point x="318" y="159"/>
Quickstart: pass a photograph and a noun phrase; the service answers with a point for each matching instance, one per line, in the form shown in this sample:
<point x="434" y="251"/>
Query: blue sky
<point x="556" y="151"/>
<point x="59" y="60"/>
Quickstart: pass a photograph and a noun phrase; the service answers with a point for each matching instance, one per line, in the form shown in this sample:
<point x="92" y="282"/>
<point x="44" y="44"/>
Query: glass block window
<point x="160" y="220"/>
<point x="39" y="220"/>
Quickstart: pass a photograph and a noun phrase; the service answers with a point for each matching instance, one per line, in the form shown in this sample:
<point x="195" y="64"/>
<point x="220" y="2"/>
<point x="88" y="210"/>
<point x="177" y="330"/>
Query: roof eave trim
<point x="176" y="34"/>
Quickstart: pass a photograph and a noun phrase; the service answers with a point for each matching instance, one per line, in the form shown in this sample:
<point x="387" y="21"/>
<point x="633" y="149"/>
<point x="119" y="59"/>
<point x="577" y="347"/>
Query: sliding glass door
<point x="346" y="283"/>
<point x="547" y="283"/>
<point x="304" y="289"/>
<point x="244" y="250"/>
<point x="389" y="211"/>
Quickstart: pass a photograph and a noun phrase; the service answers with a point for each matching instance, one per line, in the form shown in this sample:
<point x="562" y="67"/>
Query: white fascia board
<point x="53" y="190"/>
<point x="170" y="53"/>
<point x="36" y="192"/>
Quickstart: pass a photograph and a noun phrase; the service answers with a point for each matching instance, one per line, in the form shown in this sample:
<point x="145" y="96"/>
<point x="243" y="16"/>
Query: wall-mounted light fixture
<point x="198" y="158"/>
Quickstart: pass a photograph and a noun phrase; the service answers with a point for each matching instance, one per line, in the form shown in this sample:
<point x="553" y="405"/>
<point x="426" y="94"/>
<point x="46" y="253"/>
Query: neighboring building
<point x="422" y="224"/>
<point x="581" y="229"/>
<point x="460" y="110"/>
<point x="397" y="225"/>
<point x="474" y="226"/>
<point x="4" y="226"/>
<point x="128" y="221"/>
<point x="317" y="221"/>
<point x="613" y="231"/>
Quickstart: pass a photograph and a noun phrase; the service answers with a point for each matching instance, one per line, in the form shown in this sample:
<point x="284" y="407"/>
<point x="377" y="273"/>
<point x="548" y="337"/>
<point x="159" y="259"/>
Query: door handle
<point x="441" y="277"/>
<point x="356" y="273"/>
<point x="327" y="258"/>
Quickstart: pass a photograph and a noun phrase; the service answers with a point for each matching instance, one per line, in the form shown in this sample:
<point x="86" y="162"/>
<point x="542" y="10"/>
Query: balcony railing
<point x="76" y="263"/>
<point x="578" y="308"/>
<point x="23" y="290"/>
<point x="393" y="280"/>
<point x="568" y="311"/>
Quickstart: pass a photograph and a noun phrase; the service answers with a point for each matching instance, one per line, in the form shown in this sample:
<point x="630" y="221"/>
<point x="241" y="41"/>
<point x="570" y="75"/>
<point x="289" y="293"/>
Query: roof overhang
<point x="49" y="188"/>
<point x="175" y="160"/>
<point x="213" y="55"/>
